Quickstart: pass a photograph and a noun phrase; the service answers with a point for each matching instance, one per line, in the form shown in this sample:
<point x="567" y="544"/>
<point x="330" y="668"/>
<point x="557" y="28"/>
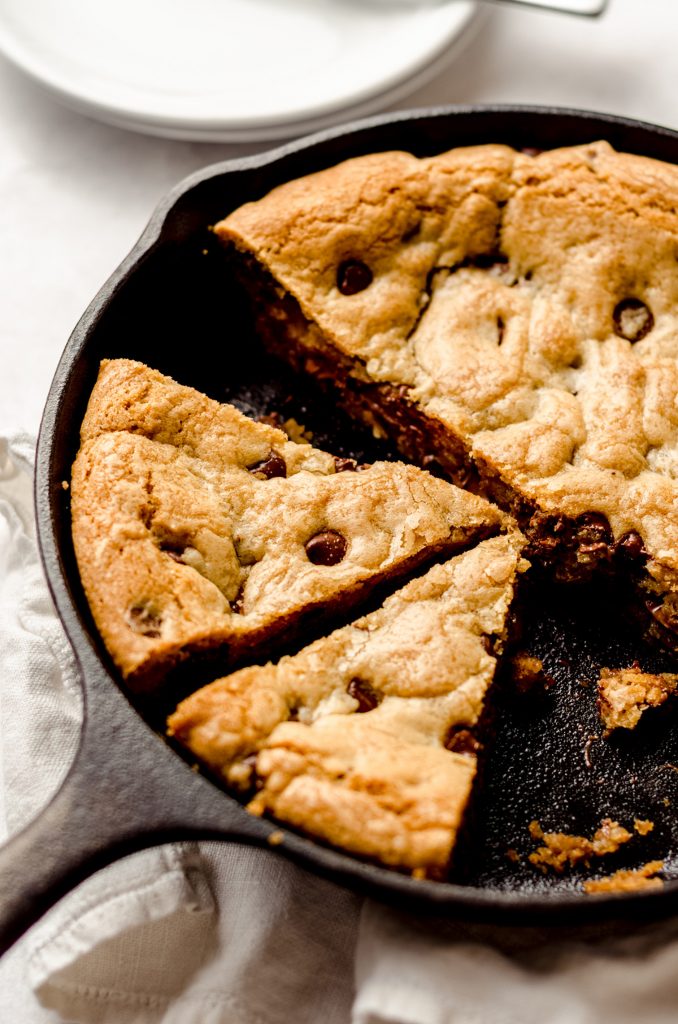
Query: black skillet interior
<point x="173" y="305"/>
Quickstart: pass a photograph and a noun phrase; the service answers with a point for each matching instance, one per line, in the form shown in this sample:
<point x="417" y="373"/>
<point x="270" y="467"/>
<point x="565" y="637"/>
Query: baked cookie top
<point x="364" y="738"/>
<point x="195" y="527"/>
<point x="528" y="302"/>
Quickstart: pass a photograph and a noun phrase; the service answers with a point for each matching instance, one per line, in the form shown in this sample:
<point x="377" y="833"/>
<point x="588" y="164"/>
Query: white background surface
<point x="74" y="194"/>
<point x="215" y="70"/>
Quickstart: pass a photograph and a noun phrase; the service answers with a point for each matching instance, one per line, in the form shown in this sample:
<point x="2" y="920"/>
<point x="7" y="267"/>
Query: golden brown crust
<point x="558" y="367"/>
<point x="183" y="543"/>
<point x="347" y="738"/>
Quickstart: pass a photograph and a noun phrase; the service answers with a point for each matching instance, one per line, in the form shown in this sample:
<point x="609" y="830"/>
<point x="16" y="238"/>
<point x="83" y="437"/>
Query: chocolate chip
<point x="630" y="546"/>
<point x="500" y="330"/>
<point x="344" y="465"/>
<point x="353" y="276"/>
<point x="632" y="319"/>
<point x="531" y="151"/>
<point x="593" y="528"/>
<point x="367" y="697"/>
<point x="143" y="619"/>
<point x="326" y="548"/>
<point x="238" y="601"/>
<point x="461" y="741"/>
<point x="272" y="465"/>
<point x="593" y="539"/>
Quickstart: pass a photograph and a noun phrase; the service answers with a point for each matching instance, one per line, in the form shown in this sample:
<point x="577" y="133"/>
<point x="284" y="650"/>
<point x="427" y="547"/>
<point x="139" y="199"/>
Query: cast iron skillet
<point x="172" y="304"/>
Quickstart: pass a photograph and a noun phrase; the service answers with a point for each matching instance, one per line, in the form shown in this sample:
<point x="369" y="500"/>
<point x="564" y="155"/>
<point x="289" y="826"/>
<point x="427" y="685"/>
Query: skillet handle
<point x="127" y="790"/>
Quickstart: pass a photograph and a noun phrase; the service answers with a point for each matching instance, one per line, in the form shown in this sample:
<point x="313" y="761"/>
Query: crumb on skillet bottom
<point x="628" y="880"/>
<point x="625" y="694"/>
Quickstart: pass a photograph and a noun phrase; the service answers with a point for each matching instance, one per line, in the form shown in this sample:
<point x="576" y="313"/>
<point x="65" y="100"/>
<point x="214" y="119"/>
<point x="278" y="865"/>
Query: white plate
<point x="228" y="69"/>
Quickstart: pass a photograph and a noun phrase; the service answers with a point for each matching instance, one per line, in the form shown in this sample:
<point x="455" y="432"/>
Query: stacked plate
<point x="231" y="70"/>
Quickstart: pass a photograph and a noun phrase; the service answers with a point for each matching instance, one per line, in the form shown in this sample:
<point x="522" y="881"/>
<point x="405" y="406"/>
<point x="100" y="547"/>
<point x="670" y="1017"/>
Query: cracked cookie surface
<point x="525" y="308"/>
<point x="197" y="528"/>
<point x="365" y="738"/>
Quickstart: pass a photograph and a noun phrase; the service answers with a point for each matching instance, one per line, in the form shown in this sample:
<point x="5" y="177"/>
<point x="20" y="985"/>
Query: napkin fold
<point x="215" y="933"/>
<point x="412" y="972"/>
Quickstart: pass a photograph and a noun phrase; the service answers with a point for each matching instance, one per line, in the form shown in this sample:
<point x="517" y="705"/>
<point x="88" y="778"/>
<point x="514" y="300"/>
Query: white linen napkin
<point x="212" y="933"/>
<point x="410" y="972"/>
<point x="182" y="934"/>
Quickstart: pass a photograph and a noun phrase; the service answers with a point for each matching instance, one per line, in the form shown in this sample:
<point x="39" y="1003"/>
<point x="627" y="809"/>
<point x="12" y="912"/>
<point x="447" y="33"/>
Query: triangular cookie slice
<point x="367" y="738"/>
<point x="512" y="315"/>
<point x="196" y="528"/>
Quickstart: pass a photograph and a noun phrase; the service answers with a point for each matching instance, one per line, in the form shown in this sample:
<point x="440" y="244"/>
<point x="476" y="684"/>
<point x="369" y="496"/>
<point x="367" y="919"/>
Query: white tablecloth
<point x="74" y="196"/>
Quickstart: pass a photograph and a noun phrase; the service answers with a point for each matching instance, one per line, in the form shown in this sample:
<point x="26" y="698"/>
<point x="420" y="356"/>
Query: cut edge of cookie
<point x="370" y="739"/>
<point x="153" y="488"/>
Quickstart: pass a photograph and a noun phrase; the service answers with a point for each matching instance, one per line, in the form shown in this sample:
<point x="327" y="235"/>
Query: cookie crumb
<point x="625" y="694"/>
<point x="561" y="850"/>
<point x="626" y="880"/>
<point x="528" y="674"/>
<point x="275" y="838"/>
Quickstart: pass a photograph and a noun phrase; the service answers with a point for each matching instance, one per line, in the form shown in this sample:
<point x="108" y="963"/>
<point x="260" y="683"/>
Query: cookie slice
<point x="197" y="529"/>
<point x="367" y="739"/>
<point x="510" y="316"/>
